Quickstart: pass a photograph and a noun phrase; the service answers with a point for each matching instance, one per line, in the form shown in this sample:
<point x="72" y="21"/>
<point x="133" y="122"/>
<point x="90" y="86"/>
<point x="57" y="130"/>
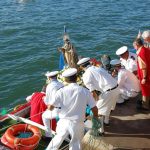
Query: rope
<point x="96" y="124"/>
<point x="94" y="133"/>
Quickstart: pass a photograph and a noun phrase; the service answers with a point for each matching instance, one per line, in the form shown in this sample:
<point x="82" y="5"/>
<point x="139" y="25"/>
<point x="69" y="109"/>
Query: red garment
<point x="144" y="54"/>
<point x="37" y="107"/>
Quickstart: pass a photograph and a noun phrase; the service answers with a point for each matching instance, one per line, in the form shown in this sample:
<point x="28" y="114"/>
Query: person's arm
<point x="96" y="97"/>
<point x="143" y="67"/>
<point x="95" y="111"/>
<point x="50" y="107"/>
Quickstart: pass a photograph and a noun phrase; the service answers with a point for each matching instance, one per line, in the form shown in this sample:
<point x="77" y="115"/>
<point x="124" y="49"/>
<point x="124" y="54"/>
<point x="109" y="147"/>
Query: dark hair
<point x="53" y="77"/>
<point x="85" y="64"/>
<point x="138" y="41"/>
<point x="71" y="78"/>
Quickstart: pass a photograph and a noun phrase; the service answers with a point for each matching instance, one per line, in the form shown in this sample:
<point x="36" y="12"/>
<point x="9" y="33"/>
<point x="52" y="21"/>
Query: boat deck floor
<point x="129" y="128"/>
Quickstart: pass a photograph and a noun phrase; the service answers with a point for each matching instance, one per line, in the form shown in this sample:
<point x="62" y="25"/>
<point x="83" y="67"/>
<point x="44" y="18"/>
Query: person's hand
<point x="50" y="107"/>
<point x="143" y="81"/>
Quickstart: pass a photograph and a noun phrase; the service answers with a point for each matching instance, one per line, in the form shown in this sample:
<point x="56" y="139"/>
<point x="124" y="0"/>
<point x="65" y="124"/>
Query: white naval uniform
<point x="131" y="63"/>
<point x="73" y="100"/>
<point x="129" y="85"/>
<point x="51" y="90"/>
<point x="99" y="79"/>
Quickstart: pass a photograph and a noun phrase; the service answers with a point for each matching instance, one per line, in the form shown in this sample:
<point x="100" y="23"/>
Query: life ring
<point x="21" y="143"/>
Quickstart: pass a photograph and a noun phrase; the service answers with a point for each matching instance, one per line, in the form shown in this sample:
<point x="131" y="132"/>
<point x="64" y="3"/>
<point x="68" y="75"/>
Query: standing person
<point x="73" y="100"/>
<point x="98" y="79"/>
<point x="128" y="59"/>
<point x="51" y="90"/>
<point x="143" y="71"/>
<point x="69" y="52"/>
<point x="37" y="105"/>
<point x="128" y="83"/>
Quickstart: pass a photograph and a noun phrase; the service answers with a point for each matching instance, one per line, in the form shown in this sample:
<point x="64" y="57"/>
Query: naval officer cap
<point x="83" y="61"/>
<point x="51" y="74"/>
<point x="115" y="62"/>
<point x="69" y="72"/>
<point x="121" y="50"/>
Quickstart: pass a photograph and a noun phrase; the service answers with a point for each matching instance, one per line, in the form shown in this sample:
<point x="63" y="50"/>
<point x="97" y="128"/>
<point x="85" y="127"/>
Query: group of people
<point x="101" y="90"/>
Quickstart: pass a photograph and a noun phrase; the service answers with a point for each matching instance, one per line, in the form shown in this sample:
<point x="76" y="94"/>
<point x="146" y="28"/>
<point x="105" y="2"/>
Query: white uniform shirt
<point x="51" y="90"/>
<point x="127" y="80"/>
<point x="98" y="79"/>
<point x="73" y="100"/>
<point x="131" y="63"/>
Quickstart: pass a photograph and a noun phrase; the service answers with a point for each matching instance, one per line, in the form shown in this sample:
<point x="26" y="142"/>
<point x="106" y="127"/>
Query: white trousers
<point x="126" y="94"/>
<point x="46" y="117"/>
<point x="64" y="128"/>
<point x="107" y="102"/>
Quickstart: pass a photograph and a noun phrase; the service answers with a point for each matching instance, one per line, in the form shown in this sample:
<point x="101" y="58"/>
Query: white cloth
<point x="107" y="102"/>
<point x="97" y="78"/>
<point x="51" y="90"/>
<point x="128" y="83"/>
<point x="131" y="63"/>
<point x="73" y="100"/>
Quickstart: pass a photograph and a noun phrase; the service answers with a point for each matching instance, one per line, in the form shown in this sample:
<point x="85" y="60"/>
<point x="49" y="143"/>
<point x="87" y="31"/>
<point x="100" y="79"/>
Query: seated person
<point x="127" y="81"/>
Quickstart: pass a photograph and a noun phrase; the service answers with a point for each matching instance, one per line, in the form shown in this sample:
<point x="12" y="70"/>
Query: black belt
<point x="112" y="88"/>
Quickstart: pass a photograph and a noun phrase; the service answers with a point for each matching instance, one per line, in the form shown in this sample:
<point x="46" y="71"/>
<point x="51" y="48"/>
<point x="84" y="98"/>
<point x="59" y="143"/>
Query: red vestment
<point x="144" y="54"/>
<point x="37" y="107"/>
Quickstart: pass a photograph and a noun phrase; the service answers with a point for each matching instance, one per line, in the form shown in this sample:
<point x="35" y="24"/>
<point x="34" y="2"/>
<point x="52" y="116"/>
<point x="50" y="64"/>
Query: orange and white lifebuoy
<point x="13" y="142"/>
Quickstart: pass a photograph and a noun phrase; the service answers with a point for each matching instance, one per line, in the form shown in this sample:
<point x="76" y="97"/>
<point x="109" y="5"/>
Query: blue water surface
<point x="31" y="31"/>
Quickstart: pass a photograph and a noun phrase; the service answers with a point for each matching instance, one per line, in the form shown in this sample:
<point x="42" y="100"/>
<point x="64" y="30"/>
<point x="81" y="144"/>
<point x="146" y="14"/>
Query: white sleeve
<point x="121" y="79"/>
<point x="57" y="99"/>
<point x="91" y="101"/>
<point x="88" y="82"/>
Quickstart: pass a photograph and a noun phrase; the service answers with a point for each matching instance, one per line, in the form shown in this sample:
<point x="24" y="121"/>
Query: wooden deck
<point x="129" y="130"/>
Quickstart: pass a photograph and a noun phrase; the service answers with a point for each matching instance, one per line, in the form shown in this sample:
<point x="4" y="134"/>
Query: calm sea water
<point x="31" y="31"/>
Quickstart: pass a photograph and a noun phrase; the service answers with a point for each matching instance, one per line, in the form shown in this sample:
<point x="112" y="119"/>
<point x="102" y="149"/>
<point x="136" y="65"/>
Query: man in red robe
<point x="143" y="62"/>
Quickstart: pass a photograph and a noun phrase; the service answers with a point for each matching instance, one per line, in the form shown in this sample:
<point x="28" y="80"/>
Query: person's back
<point x="128" y="80"/>
<point x="73" y="100"/>
<point x="99" y="78"/>
<point x="51" y="89"/>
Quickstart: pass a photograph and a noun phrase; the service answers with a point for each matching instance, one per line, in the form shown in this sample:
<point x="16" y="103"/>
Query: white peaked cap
<point x="83" y="60"/>
<point x="121" y="50"/>
<point x="51" y="74"/>
<point x="69" y="72"/>
<point x="115" y="62"/>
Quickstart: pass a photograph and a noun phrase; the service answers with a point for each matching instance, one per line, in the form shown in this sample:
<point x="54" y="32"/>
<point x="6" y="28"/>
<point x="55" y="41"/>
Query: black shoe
<point x="106" y="124"/>
<point x="48" y="139"/>
<point x="120" y="104"/>
<point x="142" y="108"/>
